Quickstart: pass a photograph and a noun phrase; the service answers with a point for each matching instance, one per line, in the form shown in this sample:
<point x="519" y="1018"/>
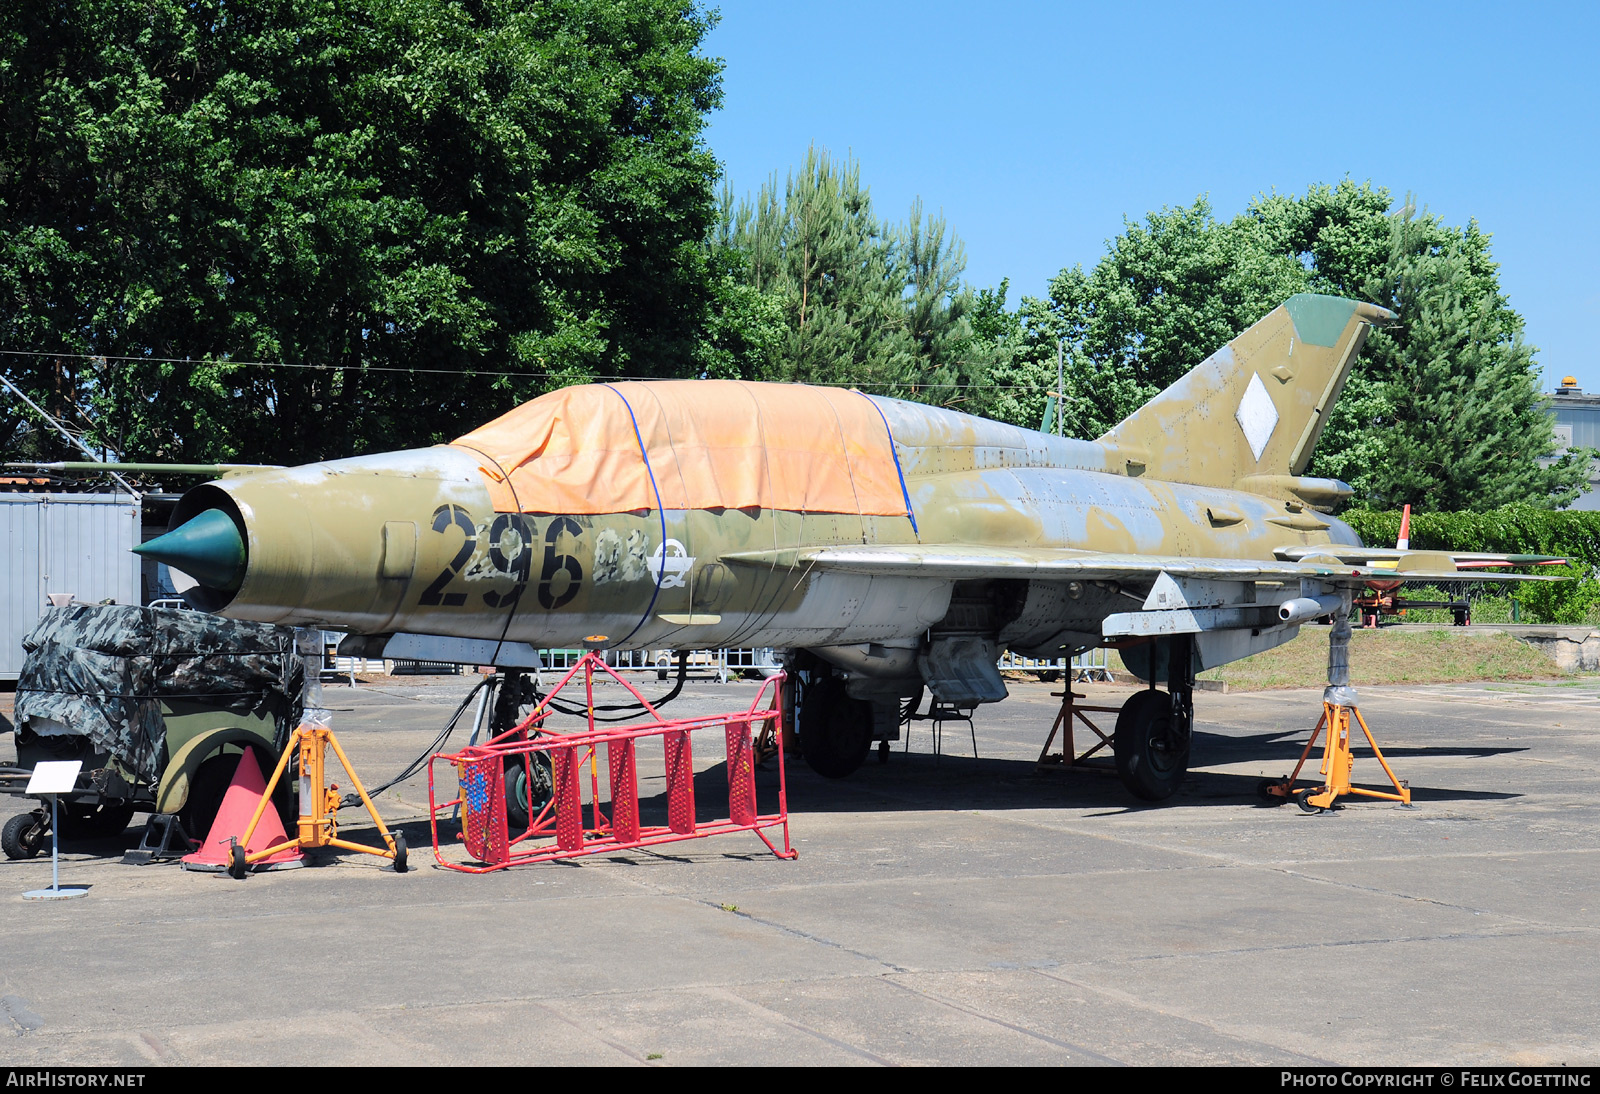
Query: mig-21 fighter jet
<point x="888" y="546"/>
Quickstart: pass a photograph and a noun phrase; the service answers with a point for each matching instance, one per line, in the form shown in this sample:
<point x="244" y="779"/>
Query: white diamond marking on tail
<point x="1257" y="415"/>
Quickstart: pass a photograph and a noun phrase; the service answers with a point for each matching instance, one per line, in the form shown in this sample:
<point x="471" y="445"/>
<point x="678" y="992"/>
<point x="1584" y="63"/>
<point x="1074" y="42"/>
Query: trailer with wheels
<point x="158" y="704"/>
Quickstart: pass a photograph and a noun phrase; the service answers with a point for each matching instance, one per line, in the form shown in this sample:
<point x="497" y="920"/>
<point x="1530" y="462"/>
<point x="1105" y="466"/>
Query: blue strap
<point x="895" y="452"/>
<point x="661" y="572"/>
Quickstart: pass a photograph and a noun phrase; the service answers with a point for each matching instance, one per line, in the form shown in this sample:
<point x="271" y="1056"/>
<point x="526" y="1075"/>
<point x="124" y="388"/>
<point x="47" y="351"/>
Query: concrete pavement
<point x="959" y="911"/>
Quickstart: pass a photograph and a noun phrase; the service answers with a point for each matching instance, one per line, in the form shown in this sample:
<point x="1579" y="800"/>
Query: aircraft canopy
<point x="710" y="444"/>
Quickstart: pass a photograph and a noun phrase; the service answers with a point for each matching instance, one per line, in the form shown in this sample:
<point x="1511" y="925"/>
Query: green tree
<point x="951" y="363"/>
<point x="861" y="301"/>
<point x="1441" y="410"/>
<point x="1012" y="386"/>
<point x="400" y="195"/>
<point x="1168" y="292"/>
<point x="1453" y="397"/>
<point x="817" y="248"/>
<point x="1341" y="234"/>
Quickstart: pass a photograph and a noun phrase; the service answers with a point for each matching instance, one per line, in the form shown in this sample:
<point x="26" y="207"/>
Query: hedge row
<point x="1514" y="529"/>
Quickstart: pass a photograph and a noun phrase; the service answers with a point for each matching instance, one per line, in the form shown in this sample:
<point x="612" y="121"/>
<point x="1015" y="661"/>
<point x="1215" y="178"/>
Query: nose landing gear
<point x="835" y="730"/>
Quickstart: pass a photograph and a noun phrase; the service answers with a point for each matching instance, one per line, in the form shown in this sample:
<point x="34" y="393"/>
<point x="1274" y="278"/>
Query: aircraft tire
<point x="210" y="786"/>
<point x="22" y="837"/>
<point x="206" y="791"/>
<point x="835" y="730"/>
<point x="517" y="770"/>
<point x="1152" y="754"/>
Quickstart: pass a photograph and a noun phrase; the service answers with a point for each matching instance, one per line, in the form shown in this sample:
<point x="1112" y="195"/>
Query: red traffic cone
<point x="238" y="806"/>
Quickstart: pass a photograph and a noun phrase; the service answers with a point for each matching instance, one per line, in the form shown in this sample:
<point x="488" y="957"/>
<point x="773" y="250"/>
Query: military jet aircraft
<point x="889" y="546"/>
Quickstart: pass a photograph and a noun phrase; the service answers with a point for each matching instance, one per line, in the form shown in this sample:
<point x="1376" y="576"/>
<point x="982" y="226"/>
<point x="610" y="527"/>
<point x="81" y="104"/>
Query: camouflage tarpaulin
<point x="103" y="671"/>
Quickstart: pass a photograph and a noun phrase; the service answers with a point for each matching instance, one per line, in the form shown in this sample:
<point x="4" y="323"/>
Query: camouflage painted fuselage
<point x="922" y="540"/>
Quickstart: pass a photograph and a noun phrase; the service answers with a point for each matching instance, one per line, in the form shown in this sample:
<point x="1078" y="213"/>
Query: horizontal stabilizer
<point x="962" y="562"/>
<point x="1395" y="557"/>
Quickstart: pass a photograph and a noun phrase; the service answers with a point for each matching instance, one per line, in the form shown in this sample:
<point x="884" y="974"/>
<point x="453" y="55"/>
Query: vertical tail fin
<point x="1255" y="408"/>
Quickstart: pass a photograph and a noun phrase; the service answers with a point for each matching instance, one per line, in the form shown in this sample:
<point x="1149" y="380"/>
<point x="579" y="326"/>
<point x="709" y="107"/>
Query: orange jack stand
<point x="318" y="804"/>
<point x="1070" y="712"/>
<point x="1337" y="760"/>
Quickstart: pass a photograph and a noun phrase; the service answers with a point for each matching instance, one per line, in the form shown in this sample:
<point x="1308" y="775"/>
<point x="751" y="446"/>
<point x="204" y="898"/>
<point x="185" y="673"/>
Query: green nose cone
<point x="207" y="548"/>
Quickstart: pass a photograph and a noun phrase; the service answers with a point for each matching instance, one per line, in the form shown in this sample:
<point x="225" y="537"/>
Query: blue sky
<point x="1037" y="127"/>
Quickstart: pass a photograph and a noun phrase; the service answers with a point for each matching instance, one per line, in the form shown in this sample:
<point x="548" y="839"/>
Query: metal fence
<point x="564" y="660"/>
<point x="720" y="664"/>
<point x="1087" y="667"/>
<point x="764" y="661"/>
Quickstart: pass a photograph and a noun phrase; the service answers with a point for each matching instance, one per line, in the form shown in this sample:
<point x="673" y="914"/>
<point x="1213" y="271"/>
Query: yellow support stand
<point x="1337" y="762"/>
<point x="318" y="805"/>
<point x="1338" y="708"/>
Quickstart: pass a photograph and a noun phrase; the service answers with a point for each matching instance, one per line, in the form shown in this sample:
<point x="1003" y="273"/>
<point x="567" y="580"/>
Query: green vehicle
<point x="158" y="705"/>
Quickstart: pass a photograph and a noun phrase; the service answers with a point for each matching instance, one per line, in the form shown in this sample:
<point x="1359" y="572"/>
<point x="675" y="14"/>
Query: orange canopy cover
<point x="711" y="444"/>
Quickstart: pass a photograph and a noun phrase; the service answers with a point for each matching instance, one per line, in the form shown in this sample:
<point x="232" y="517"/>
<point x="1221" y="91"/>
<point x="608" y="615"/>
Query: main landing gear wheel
<point x="23" y="836"/>
<point x="1152" y="751"/>
<point x="835" y="730"/>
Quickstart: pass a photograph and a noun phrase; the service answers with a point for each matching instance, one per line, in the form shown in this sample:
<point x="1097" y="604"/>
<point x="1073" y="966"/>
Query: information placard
<point x="54" y="776"/>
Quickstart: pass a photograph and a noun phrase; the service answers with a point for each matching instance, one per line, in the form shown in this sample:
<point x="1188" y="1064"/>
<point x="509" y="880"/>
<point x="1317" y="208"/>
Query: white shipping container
<point x="67" y="544"/>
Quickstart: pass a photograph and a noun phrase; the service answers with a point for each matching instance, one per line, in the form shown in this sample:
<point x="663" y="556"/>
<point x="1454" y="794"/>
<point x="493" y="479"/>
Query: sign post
<point x="52" y="778"/>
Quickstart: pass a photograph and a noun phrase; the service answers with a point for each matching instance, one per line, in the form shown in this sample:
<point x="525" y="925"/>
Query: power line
<point x="105" y="357"/>
<point x="214" y="361"/>
<point x="61" y="429"/>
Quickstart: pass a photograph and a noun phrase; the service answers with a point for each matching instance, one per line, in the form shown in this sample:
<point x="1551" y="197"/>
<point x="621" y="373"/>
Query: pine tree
<point x="861" y="302"/>
<point x="1466" y="425"/>
<point x="956" y="365"/>
<point x="834" y="269"/>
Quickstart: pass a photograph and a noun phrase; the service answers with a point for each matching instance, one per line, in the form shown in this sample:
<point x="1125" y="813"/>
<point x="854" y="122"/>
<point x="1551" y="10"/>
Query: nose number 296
<point x="511" y="540"/>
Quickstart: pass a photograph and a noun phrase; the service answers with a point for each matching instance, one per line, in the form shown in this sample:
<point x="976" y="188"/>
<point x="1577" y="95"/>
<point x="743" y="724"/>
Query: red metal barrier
<point x="561" y="830"/>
